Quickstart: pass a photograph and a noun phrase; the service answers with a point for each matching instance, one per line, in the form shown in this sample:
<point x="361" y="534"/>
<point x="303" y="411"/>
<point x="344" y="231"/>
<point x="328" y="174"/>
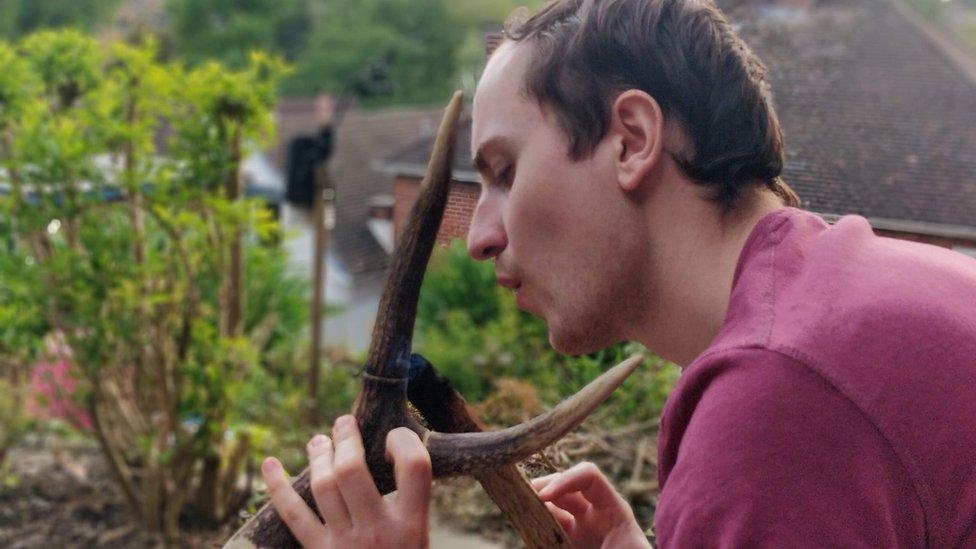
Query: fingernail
<point x="546" y="478"/>
<point x="343" y="424"/>
<point x="270" y="466"/>
<point x="318" y="440"/>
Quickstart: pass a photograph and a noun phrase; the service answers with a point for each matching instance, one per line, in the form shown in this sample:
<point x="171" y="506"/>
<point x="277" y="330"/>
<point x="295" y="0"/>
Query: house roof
<point x="363" y="137"/>
<point x="412" y="158"/>
<point x="878" y="119"/>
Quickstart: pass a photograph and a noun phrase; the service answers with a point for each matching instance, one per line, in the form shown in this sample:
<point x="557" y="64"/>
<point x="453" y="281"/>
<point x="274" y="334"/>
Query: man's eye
<point x="505" y="176"/>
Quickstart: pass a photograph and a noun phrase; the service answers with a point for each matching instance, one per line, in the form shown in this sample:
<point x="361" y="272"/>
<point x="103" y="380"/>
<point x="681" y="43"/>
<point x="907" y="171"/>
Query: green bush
<point x="167" y="287"/>
<point x="13" y="420"/>
<point x="472" y="331"/>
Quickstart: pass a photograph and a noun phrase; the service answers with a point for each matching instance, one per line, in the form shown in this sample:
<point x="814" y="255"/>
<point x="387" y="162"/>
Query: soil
<point x="56" y="492"/>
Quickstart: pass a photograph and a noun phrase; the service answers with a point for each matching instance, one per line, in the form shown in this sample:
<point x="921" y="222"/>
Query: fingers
<point x="411" y="466"/>
<point x="325" y="488"/>
<point x="358" y="491"/>
<point x="573" y="502"/>
<point x="564" y="519"/>
<point x="541" y="482"/>
<point x="290" y="506"/>
<point x="586" y="479"/>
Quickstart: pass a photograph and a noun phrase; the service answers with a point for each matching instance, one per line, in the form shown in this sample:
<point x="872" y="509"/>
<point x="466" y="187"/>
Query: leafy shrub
<point x="177" y="313"/>
<point x="13" y="421"/>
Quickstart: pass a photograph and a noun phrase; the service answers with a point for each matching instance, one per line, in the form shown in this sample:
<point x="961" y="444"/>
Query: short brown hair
<point x="686" y="55"/>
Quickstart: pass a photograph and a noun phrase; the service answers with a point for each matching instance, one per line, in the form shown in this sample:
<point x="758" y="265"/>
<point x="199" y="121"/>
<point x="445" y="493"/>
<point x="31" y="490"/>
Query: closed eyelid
<point x="506" y="175"/>
<point x="495" y="151"/>
<point x="487" y="175"/>
<point x="498" y="179"/>
<point x="492" y="177"/>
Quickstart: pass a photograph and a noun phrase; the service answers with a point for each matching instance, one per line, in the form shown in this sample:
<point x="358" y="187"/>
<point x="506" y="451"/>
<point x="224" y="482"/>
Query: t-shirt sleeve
<point x="760" y="451"/>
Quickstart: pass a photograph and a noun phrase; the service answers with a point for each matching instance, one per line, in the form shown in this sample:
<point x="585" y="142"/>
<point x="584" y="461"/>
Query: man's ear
<point x="638" y="128"/>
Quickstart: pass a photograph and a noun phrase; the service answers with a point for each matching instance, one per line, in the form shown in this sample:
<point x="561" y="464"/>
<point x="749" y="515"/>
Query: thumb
<point x="412" y="470"/>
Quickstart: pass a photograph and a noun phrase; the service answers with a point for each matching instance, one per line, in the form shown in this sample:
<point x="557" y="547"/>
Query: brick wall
<point x="457" y="216"/>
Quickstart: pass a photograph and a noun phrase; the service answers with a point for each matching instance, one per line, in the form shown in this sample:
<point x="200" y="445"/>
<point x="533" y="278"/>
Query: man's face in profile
<point x="552" y="224"/>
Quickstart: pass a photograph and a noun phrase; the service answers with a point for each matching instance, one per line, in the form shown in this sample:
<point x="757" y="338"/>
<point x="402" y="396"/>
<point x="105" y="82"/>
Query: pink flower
<point x="52" y="394"/>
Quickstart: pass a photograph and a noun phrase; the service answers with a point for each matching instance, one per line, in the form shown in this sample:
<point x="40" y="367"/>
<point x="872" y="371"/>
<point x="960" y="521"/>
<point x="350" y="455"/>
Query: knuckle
<point x="368" y="537"/>
<point x="277" y="486"/>
<point x="403" y="437"/>
<point x="412" y="530"/>
<point x="290" y="515"/>
<point x="326" y="482"/>
<point x="404" y="432"/>
<point x="590" y="468"/>
<point x="347" y="469"/>
<point x="409" y="452"/>
<point x="418" y="465"/>
<point x="317" y="442"/>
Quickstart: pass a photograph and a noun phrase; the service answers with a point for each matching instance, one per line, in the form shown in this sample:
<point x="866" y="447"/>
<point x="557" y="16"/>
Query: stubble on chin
<point x="580" y="336"/>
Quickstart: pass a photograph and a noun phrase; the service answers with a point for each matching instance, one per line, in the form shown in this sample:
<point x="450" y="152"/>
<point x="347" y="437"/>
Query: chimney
<point x="380" y="220"/>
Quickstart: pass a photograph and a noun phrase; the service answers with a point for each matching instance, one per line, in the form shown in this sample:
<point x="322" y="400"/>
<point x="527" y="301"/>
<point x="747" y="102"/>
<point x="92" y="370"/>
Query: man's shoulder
<point x="742" y="372"/>
<point x="745" y="444"/>
<point x="758" y="396"/>
<point x="737" y="411"/>
<point x="742" y="385"/>
<point x="837" y="295"/>
<point x="821" y="290"/>
<point x="856" y="307"/>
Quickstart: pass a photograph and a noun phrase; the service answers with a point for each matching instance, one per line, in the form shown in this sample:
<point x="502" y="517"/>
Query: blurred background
<point x="178" y="176"/>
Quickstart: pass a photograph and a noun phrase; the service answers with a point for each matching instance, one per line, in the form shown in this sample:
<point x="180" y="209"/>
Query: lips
<point x="515" y="285"/>
<point x="509" y="282"/>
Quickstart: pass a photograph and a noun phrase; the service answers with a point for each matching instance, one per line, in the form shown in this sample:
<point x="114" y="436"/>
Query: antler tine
<point x="467" y="453"/>
<point x="398" y="304"/>
<point x="381" y="405"/>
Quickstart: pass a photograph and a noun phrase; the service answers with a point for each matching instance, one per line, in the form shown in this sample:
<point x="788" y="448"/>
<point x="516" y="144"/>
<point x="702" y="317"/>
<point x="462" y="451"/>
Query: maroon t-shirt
<point x="837" y="405"/>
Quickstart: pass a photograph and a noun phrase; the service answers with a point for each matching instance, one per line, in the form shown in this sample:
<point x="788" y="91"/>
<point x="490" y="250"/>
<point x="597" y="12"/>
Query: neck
<point x="696" y="254"/>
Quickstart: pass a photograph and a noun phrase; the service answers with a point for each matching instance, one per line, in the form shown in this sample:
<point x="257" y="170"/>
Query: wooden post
<point x="319" y="287"/>
<point x="235" y="285"/>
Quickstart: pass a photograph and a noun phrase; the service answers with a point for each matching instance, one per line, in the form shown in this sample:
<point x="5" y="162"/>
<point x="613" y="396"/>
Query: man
<point x="631" y="161"/>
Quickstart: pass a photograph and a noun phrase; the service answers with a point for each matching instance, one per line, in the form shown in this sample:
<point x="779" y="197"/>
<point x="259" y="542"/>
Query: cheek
<point x="561" y="211"/>
<point x="532" y="216"/>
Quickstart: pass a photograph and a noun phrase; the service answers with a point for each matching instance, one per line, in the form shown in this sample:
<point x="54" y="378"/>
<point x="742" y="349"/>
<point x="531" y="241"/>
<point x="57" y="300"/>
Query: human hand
<point x="355" y="513"/>
<point x="588" y="508"/>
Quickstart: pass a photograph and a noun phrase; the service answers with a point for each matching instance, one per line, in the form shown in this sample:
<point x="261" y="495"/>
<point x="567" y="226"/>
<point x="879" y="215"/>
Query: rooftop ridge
<point x="947" y="45"/>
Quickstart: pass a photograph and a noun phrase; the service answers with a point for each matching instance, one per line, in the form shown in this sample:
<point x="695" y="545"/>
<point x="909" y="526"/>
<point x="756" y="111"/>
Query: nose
<point x="486" y="235"/>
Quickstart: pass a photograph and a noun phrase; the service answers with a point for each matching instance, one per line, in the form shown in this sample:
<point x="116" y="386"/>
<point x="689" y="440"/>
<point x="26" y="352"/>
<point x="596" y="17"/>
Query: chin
<point x="574" y="344"/>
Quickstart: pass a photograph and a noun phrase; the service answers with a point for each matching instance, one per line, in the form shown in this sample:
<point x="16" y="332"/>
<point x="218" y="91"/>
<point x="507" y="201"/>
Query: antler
<point x="381" y="405"/>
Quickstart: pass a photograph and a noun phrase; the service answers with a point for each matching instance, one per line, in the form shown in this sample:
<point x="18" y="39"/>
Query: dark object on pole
<point x="304" y="154"/>
<point x="446" y="411"/>
<point x="322" y="182"/>
<point x="374" y="79"/>
<point x="309" y="185"/>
